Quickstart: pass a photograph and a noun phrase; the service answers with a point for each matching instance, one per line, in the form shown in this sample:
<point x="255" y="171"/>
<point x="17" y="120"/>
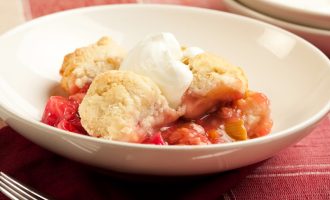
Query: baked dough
<point x="124" y="106"/>
<point x="80" y="67"/>
<point x="214" y="81"/>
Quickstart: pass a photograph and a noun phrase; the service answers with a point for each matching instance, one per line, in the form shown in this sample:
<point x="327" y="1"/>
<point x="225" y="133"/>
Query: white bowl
<point x="314" y="13"/>
<point x="319" y="37"/>
<point x="293" y="73"/>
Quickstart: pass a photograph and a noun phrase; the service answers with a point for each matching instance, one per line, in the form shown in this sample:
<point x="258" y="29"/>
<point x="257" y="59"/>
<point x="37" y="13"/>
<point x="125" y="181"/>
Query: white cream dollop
<point x="158" y="56"/>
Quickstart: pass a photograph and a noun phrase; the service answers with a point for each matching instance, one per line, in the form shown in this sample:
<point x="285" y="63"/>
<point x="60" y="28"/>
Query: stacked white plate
<point x="306" y="18"/>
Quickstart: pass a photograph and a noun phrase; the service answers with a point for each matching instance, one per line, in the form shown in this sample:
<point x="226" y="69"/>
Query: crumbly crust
<point x="82" y="65"/>
<point x="215" y="80"/>
<point x="124" y="106"/>
<point x="212" y="73"/>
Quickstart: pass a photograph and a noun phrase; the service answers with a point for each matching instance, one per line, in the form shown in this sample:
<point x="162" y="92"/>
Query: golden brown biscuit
<point x="124" y="106"/>
<point x="214" y="81"/>
<point x="81" y="66"/>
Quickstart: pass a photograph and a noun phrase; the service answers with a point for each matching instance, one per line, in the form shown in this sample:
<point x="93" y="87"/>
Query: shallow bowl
<point x="294" y="74"/>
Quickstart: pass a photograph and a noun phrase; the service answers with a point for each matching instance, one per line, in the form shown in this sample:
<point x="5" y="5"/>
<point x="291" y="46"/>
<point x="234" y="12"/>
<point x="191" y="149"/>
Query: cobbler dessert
<point x="157" y="93"/>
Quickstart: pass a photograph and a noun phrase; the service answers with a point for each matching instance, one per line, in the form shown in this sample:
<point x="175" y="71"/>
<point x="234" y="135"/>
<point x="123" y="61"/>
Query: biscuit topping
<point x="160" y="93"/>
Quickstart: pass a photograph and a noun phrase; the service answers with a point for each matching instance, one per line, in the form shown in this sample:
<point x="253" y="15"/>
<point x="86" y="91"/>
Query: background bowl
<point x="290" y="71"/>
<point x="314" y="13"/>
<point x="319" y="37"/>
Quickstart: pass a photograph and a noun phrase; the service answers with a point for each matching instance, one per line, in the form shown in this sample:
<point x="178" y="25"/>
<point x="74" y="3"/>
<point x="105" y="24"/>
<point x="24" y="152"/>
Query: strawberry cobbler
<point x="157" y="93"/>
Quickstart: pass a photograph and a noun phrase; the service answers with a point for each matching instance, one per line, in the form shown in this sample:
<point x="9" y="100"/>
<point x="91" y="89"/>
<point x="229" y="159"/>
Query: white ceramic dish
<point x="315" y="13"/>
<point x="319" y="37"/>
<point x="293" y="73"/>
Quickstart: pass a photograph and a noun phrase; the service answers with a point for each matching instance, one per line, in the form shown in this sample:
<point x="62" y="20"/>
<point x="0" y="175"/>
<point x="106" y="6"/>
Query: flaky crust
<point x="213" y="73"/>
<point x="124" y="106"/>
<point x="82" y="65"/>
<point x="215" y="80"/>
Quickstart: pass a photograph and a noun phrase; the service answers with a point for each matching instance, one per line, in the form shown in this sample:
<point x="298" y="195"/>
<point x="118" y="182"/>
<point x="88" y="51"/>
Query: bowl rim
<point x="5" y="108"/>
<point x="287" y="24"/>
<point x="297" y="9"/>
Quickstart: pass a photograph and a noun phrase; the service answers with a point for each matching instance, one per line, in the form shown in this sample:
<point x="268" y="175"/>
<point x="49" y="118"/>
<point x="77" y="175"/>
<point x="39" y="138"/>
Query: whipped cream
<point x="158" y="56"/>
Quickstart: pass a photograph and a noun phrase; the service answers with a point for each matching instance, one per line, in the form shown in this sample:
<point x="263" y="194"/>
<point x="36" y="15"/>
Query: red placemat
<point x="299" y="172"/>
<point x="61" y="178"/>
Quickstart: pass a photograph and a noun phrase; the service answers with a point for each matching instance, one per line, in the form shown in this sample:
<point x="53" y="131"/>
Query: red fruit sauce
<point x="63" y="113"/>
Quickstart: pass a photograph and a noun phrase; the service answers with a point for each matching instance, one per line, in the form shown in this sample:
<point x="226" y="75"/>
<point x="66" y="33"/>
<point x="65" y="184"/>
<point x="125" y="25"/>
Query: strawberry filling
<point x="62" y="113"/>
<point x="227" y="123"/>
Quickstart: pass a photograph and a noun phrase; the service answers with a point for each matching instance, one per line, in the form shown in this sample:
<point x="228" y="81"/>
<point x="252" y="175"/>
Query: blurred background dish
<point x="314" y="13"/>
<point x="319" y="37"/>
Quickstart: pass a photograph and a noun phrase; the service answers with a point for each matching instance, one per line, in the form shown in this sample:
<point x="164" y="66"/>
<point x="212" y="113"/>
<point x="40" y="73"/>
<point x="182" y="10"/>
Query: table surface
<point x="301" y="171"/>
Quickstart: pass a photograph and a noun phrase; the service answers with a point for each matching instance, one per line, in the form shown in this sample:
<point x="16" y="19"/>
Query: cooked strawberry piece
<point x="213" y="125"/>
<point x="185" y="134"/>
<point x="210" y="122"/>
<point x="66" y="125"/>
<point x="62" y="113"/>
<point x="156" y="138"/>
<point x="255" y="112"/>
<point x="54" y="110"/>
<point x="229" y="113"/>
<point x="70" y="111"/>
<point x="84" y="89"/>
